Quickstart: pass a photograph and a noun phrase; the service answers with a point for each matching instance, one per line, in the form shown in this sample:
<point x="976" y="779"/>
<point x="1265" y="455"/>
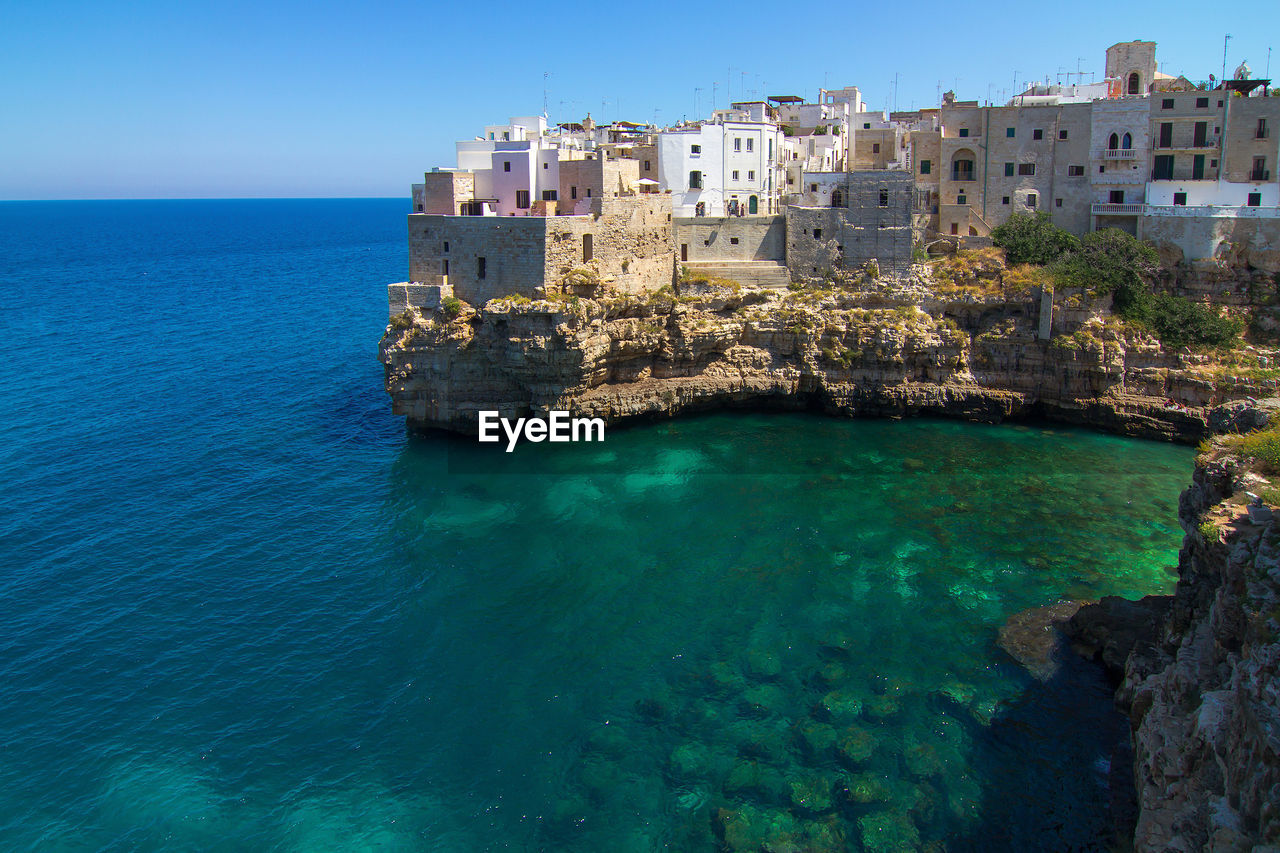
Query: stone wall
<point x="744" y="238"/>
<point x="487" y="256"/>
<point x="876" y="224"/>
<point x="630" y="243"/>
<point x="1242" y="142"/>
<point x="1249" y="242"/>
<point x="443" y="192"/>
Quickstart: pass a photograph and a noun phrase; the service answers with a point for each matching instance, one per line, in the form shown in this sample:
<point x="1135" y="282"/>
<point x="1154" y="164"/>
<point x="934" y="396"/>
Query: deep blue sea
<point x="241" y="610"/>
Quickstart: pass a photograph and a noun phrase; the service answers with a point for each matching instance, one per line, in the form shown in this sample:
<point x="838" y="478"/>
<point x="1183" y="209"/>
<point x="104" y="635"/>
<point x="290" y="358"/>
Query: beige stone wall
<point x="1255" y="242"/>
<point x="647" y="157"/>
<point x="513" y="249"/>
<point x="1127" y="57"/>
<point x="875" y="148"/>
<point x="952" y="146"/>
<point x="443" y="192"/>
<point x="630" y="239"/>
<point x="1243" y="143"/>
<point x="877" y="224"/>
<point x="733" y="238"/>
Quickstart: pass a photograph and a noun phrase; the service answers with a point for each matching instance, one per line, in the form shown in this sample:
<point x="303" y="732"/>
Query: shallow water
<point x="243" y="610"/>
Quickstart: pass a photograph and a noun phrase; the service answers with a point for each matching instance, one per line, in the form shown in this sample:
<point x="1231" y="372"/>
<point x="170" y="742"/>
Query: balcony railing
<point x="1117" y="209"/>
<point x="1242" y="212"/>
<point x="1260" y="175"/>
<point x="1118" y="153"/>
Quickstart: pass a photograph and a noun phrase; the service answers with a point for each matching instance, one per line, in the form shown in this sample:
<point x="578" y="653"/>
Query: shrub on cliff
<point x="1111" y="261"/>
<point x="1032" y="239"/>
<point x="1178" y="321"/>
<point x="451" y="305"/>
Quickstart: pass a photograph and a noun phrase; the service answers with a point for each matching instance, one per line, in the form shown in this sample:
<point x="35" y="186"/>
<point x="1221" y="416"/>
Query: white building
<point x="717" y="168"/>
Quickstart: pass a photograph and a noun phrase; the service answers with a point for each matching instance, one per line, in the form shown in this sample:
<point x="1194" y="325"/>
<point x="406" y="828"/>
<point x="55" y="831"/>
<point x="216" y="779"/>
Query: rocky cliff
<point x="869" y="347"/>
<point x="1200" y="674"/>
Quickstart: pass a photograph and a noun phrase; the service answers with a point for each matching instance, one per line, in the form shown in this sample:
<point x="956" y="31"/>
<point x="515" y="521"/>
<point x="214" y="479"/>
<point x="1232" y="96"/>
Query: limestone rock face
<point x="895" y="351"/>
<point x="1205" y="698"/>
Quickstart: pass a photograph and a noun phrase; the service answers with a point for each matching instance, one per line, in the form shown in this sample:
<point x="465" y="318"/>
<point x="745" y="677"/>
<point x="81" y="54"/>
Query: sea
<point x="242" y="609"/>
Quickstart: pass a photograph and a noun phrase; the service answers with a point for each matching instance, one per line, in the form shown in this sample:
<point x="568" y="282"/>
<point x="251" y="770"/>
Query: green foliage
<point x="918" y="254"/>
<point x="451" y="305"/>
<point x="1210" y="531"/>
<point x="1264" y="446"/>
<point x="1110" y="261"/>
<point x="1032" y="239"/>
<point x="1178" y="321"/>
<point x="402" y="321"/>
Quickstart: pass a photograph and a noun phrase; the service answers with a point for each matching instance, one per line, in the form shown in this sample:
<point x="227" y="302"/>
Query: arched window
<point x="962" y="165"/>
<point x="1113" y="142"/>
<point x="1135" y="82"/>
<point x="1127" y="142"/>
<point x="837" y="200"/>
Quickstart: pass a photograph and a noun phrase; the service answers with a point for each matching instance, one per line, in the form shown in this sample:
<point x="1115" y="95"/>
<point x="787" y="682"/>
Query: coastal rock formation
<point x="1204" y="697"/>
<point x="885" y="348"/>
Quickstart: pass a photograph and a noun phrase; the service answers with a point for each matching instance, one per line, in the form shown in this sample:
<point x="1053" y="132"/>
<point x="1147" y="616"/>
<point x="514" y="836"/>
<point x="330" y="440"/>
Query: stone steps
<point x="746" y="273"/>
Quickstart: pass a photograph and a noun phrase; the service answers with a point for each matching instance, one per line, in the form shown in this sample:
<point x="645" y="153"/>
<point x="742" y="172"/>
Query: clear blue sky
<point x="246" y="99"/>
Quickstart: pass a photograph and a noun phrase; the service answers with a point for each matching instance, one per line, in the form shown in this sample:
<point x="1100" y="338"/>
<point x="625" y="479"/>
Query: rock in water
<point x="1032" y="637"/>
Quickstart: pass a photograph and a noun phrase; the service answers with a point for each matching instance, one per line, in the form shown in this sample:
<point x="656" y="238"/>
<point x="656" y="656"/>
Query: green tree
<point x="1028" y="239"/>
<point x="1111" y="261"/>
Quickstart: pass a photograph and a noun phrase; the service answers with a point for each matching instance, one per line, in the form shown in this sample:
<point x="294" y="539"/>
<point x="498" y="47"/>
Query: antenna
<point x="546" y="75"/>
<point x="1225" y="39"/>
<point x="697" y="109"/>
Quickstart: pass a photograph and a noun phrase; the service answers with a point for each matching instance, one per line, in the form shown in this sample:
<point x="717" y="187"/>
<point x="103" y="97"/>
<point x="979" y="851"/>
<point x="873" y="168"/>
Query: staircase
<point x="747" y="273"/>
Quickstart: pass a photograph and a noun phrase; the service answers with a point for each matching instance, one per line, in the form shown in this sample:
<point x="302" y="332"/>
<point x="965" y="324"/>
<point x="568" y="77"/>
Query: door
<point x="1166" y="135"/>
<point x="684" y="251"/>
<point x="1197" y="167"/>
<point x="753" y="205"/>
<point x="1201" y="133"/>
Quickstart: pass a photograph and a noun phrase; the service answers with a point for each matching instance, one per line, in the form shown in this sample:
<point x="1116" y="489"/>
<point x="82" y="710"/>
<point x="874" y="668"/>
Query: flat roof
<point x="786" y="99"/>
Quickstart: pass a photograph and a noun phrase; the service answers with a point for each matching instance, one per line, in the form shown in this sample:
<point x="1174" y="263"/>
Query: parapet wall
<point x="745" y="238"/>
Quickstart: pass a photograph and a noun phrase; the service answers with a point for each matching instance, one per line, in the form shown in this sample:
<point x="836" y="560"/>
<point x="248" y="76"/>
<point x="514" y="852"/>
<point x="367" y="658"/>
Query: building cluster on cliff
<point x="774" y="190"/>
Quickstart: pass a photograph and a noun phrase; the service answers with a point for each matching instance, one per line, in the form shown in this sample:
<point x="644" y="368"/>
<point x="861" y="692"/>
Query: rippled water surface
<point x="241" y="610"/>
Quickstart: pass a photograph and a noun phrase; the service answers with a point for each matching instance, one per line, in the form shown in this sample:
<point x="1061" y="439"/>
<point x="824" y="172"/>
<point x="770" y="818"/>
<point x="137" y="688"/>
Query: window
<point x="962" y="170"/>
<point x="1260" y="172"/>
<point x="1135" y="82"/>
<point x="735" y="174"/>
<point x="695" y="180"/>
<point x="1038" y="133"/>
<point x="506" y="136"/>
<point x="817" y="233"/>
<point x="1180" y="199"/>
<point x="573" y="192"/>
<point x="1008" y="170"/>
<point x="1113" y="142"/>
<point x="1213" y="164"/>
<point x="1166" y="104"/>
<point x="964" y="131"/>
<point x="1075" y="171"/>
<point x="751" y="145"/>
<point x="646" y="166"/>
<point x="546" y="165"/>
<point x="926" y="167"/>
<point x="737" y="143"/>
<point x="1202" y="103"/>
<point x="506" y="165"/>
<point x="1261" y="132"/>
<point x="1127" y="142"/>
<point x="588" y="192"/>
<point x="1102" y="168"/>
<point x="751" y="175"/>
<point x="480" y="268"/>
<point x="866" y="125"/>
<point x="1009" y="132"/>
<point x="1026" y="168"/>
<point x="1057" y="202"/>
<point x="733" y="241"/>
<point x="813" y="188"/>
<point x="1116" y="197"/>
<point x="1004" y="200"/>
<point x="419" y="208"/>
<point x="1219" y="104"/>
<point x="444" y="267"/>
<point x="549" y="195"/>
<point x="962" y="199"/>
<point x="1255" y="200"/>
<point x="446" y="245"/>
<point x="1062" y="134"/>
<point x="1166" y="135"/>
<point x="1031" y="200"/>
<point x="522" y="199"/>
<point x="695" y="150"/>
<point x="884" y="198"/>
<point x="875" y="148"/>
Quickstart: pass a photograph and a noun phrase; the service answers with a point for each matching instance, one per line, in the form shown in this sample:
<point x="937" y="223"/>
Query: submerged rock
<point x="816" y="739"/>
<point x="888" y="832"/>
<point x="811" y="792"/>
<point x="855" y="745"/>
<point x="1031" y="637"/>
<point x="840" y="706"/>
<point x="867" y="788"/>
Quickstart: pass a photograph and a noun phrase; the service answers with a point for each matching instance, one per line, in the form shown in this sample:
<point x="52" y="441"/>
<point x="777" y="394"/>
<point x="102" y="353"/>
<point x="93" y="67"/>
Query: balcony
<point x="1214" y="211"/>
<point x="1117" y="209"/>
<point x="1260" y="175"/>
<point x="1118" y="153"/>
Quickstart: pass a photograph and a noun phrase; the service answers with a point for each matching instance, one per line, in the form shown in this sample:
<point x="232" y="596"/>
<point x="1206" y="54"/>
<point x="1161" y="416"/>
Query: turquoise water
<point x="242" y="610"/>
